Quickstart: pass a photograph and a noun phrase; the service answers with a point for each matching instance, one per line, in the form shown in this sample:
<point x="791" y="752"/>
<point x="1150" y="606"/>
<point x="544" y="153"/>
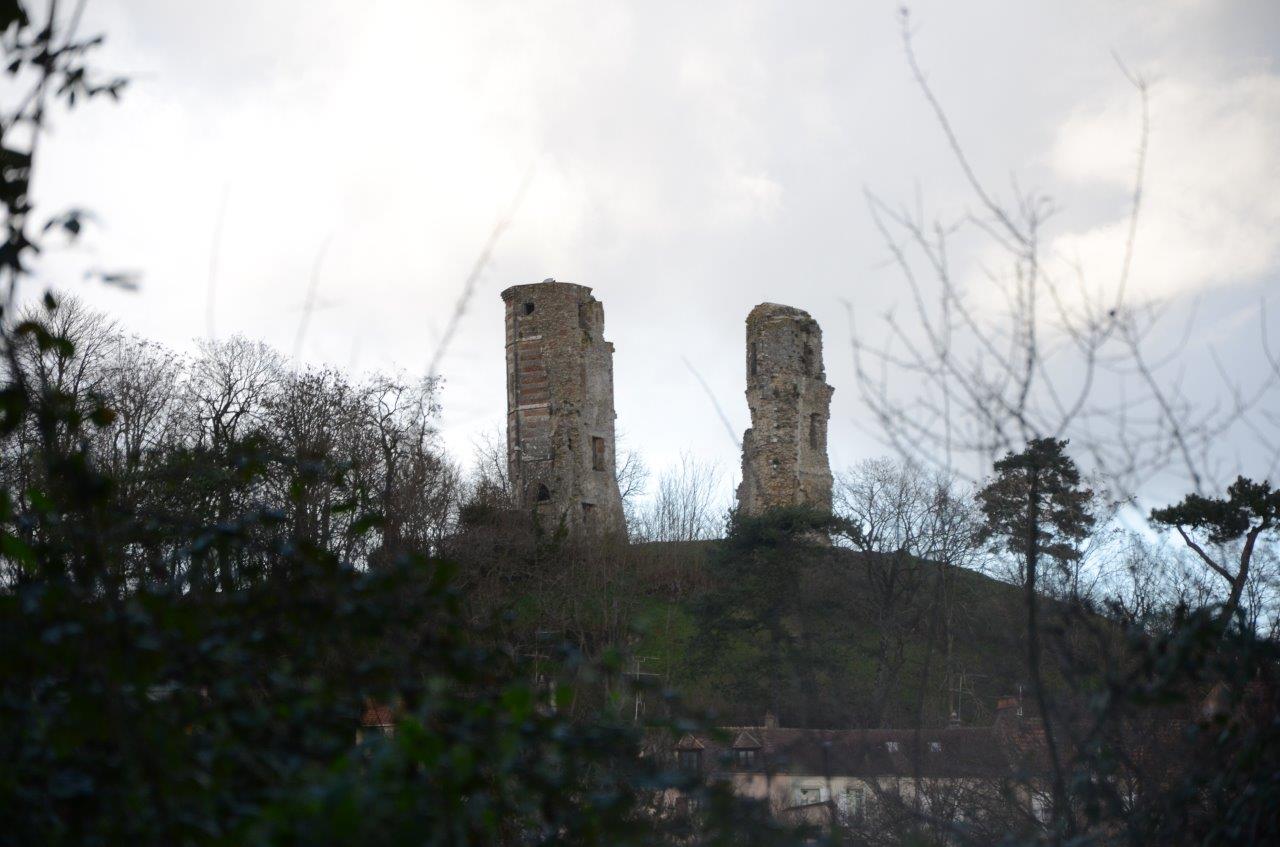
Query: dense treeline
<point x="234" y="430"/>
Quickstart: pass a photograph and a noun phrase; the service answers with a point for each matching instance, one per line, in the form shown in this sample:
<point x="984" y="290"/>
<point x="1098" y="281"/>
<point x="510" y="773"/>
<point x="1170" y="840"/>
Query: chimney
<point x="770" y="720"/>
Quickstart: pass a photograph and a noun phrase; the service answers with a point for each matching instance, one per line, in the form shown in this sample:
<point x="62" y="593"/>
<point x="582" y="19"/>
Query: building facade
<point x="560" y="415"/>
<point x="875" y="782"/>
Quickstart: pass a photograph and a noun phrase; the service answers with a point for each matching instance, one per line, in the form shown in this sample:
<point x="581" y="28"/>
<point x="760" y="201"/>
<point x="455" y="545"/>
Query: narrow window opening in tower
<point x="544" y="494"/>
<point x="815" y="423"/>
<point x="588" y="510"/>
<point x="806" y="359"/>
<point x="528" y="308"/>
<point x="755" y="360"/>
<point x="597" y="453"/>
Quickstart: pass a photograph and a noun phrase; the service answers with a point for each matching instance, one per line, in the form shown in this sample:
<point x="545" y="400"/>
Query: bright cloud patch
<point x="1211" y="206"/>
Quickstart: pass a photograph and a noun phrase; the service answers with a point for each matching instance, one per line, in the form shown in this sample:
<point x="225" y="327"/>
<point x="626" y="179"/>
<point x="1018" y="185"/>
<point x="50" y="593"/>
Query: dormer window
<point x="746" y="751"/>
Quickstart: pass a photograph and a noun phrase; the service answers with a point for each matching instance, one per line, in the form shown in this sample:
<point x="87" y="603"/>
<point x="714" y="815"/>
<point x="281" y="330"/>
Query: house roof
<point x="377" y="715"/>
<point x="952" y="752"/>
<point x="690" y="742"/>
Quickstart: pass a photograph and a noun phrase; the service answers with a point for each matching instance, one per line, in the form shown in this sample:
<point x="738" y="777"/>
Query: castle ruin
<point x="560" y="417"/>
<point x="784" y="453"/>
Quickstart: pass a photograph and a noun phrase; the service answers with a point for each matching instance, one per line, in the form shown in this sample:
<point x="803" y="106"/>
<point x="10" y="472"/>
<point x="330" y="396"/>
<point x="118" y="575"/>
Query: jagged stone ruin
<point x="784" y="453"/>
<point x="560" y="416"/>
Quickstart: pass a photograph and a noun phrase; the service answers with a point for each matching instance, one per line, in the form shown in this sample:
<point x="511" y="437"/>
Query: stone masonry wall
<point x="784" y="453"/>
<point x="560" y="415"/>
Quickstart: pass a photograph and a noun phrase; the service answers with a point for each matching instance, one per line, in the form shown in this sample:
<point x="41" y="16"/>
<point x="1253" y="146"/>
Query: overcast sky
<point x="686" y="160"/>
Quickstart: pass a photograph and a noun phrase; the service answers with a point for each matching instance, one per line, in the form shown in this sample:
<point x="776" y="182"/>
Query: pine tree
<point x="1036" y="505"/>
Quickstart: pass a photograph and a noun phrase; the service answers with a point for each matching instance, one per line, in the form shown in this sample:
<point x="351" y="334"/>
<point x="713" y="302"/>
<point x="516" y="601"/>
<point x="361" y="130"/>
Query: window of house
<point x="745" y="760"/>
<point x="808" y="794"/>
<point x="935" y="746"/>
<point x="891" y="746"/>
<point x="544" y="493"/>
<point x="855" y="802"/>
<point x="528" y="308"/>
<point x="689" y="761"/>
<point x="815" y="423"/>
<point x="597" y="453"/>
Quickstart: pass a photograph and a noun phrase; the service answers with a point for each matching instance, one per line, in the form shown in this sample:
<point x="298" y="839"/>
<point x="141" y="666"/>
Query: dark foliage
<point x="774" y="587"/>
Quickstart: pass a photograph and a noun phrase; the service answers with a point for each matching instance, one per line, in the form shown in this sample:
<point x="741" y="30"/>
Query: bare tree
<point x="229" y="383"/>
<point x="140" y="384"/>
<point x="633" y="481"/>
<point x="956" y="386"/>
<point x="418" y="486"/>
<point x="487" y="489"/>
<point x="686" y="505"/>
<point x="312" y="419"/>
<point x="911" y="529"/>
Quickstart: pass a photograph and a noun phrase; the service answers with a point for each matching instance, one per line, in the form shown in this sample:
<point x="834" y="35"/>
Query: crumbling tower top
<point x="784" y="453"/>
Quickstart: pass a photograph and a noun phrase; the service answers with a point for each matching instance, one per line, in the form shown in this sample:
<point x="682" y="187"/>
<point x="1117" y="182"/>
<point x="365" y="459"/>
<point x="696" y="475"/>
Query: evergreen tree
<point x="1037" y="507"/>
<point x="1249" y="510"/>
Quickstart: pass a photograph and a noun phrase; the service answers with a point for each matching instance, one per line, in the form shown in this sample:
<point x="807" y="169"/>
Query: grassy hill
<point x="956" y="628"/>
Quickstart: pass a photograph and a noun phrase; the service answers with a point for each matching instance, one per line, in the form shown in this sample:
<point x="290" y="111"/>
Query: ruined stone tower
<point x="784" y="454"/>
<point x="560" y="433"/>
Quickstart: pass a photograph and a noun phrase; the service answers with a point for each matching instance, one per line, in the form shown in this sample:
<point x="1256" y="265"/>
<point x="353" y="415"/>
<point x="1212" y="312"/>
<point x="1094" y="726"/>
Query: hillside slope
<point x="955" y="641"/>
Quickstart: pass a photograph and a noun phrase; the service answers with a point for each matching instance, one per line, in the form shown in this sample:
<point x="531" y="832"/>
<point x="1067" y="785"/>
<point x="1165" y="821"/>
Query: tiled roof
<point x="951" y="752"/>
<point x="376" y="714"/>
<point x="691" y="742"/>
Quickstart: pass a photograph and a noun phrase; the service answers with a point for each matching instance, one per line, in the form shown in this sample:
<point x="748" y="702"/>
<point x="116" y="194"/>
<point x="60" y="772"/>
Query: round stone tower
<point x="784" y="454"/>
<point x="560" y="416"/>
